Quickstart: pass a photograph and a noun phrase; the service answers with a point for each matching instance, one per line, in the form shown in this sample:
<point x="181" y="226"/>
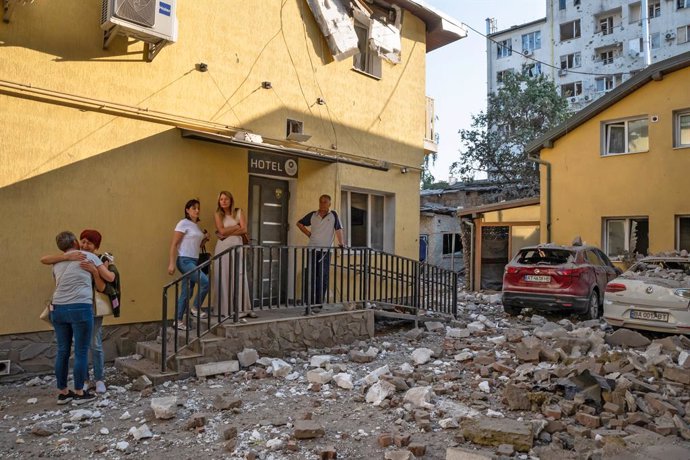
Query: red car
<point x="565" y="278"/>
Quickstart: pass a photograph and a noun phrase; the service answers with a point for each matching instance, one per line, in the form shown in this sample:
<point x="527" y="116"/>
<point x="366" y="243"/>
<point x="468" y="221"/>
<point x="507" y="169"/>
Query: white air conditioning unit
<point x="562" y="72"/>
<point x="151" y="21"/>
<point x="574" y="99"/>
<point x="670" y="36"/>
<point x="527" y="52"/>
<point x="586" y="98"/>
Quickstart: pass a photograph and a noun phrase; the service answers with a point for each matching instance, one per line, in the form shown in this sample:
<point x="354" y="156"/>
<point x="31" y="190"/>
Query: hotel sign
<point x="272" y="164"/>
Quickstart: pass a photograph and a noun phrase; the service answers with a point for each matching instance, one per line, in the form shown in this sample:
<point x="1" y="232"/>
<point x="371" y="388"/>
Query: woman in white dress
<point x="230" y="226"/>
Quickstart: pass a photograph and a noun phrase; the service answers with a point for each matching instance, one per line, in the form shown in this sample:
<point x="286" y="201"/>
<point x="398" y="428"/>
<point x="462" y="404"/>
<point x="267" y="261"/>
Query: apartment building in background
<point x="589" y="47"/>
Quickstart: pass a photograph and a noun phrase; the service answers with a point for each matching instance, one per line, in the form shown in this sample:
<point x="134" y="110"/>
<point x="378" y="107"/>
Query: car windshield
<point x="545" y="256"/>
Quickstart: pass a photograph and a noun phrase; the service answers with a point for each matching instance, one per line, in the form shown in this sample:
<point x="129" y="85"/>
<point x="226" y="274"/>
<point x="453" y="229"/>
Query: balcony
<point x="430" y="134"/>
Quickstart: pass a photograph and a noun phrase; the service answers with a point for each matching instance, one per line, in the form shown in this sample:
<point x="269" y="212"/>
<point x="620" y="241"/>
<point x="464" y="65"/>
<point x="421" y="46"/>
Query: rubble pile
<point x="481" y="386"/>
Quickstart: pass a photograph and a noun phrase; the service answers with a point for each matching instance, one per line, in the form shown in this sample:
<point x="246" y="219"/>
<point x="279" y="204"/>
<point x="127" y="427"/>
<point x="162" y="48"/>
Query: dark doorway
<point x="495" y="255"/>
<point x="268" y="226"/>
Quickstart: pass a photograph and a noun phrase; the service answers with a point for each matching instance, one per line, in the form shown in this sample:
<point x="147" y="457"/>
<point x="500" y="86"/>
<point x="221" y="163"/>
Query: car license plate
<point x="538" y="278"/>
<point x="649" y="315"/>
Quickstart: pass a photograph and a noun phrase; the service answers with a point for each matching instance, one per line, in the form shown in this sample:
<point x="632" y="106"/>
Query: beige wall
<point x="587" y="187"/>
<point x="62" y="168"/>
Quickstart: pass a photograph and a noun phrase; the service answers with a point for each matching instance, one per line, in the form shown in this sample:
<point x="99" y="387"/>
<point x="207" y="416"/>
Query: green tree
<point x="427" y="179"/>
<point x="521" y="110"/>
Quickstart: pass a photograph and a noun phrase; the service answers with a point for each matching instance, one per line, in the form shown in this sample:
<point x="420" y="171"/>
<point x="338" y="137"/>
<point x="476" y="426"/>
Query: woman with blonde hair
<point x="231" y="224"/>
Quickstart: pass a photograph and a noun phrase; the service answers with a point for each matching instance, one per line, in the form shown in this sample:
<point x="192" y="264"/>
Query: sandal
<point x="182" y="326"/>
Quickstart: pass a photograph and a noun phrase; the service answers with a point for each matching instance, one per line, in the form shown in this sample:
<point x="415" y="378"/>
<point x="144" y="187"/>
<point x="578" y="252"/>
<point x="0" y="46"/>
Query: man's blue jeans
<point x="97" y="349"/>
<point x="72" y="321"/>
<point x="186" y="265"/>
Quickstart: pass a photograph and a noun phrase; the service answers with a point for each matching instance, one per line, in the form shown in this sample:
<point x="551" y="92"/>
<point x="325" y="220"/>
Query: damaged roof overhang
<point x="281" y="149"/>
<point x="653" y="72"/>
<point x="520" y="203"/>
<point x="441" y="29"/>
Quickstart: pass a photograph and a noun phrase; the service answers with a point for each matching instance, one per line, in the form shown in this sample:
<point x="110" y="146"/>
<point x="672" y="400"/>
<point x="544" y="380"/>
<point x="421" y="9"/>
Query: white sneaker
<point x="86" y="386"/>
<point x="100" y="387"/>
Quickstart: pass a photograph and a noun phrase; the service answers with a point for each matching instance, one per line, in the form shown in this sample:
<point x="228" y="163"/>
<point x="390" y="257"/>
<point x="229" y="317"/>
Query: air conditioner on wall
<point x="527" y="52"/>
<point x="670" y="36"/>
<point x="151" y="21"/>
<point x="574" y="99"/>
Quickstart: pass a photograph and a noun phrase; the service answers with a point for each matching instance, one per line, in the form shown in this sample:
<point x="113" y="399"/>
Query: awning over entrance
<point x="275" y="148"/>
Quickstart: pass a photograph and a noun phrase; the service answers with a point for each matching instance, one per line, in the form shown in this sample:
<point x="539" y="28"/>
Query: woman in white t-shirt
<point x="184" y="253"/>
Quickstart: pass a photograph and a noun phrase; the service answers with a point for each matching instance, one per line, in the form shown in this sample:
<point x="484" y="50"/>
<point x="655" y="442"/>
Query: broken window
<point x="576" y="2"/>
<point x="654" y="9"/>
<point x="682" y="129"/>
<point x="532" y="70"/>
<point x="604" y="84"/>
<point x="627" y="136"/>
<point x="501" y="74"/>
<point x="531" y="41"/>
<point x="606" y="25"/>
<point x="571" y="89"/>
<point x="504" y="48"/>
<point x="683" y="233"/>
<point x="452" y="244"/>
<point x="570" y="61"/>
<point x="366" y="59"/>
<point x="655" y="41"/>
<point x="626" y="235"/>
<point x="363" y="219"/>
<point x="561" y="4"/>
<point x="606" y="57"/>
<point x="635" y="13"/>
<point x="683" y="4"/>
<point x="570" y="30"/>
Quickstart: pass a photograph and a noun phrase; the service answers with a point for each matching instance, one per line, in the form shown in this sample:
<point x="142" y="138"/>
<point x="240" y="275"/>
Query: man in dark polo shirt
<point x="322" y="225"/>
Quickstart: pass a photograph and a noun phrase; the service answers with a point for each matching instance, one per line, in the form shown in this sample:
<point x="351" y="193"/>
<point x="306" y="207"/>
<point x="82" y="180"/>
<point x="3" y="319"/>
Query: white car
<point x="654" y="294"/>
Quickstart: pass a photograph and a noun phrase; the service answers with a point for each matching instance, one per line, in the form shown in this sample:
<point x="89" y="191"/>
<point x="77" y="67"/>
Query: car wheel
<point x="512" y="311"/>
<point x="593" y="308"/>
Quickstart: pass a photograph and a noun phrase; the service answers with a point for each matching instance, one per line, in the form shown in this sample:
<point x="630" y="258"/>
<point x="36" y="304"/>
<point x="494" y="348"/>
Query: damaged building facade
<point x="591" y="46"/>
<point x="113" y="118"/>
<point x="617" y="169"/>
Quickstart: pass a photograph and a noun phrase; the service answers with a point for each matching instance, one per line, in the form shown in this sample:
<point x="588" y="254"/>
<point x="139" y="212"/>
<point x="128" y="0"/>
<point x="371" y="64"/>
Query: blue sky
<point x="456" y="73"/>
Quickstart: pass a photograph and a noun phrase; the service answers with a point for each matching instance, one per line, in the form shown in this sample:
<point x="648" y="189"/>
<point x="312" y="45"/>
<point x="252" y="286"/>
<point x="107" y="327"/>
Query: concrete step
<point x="137" y="367"/>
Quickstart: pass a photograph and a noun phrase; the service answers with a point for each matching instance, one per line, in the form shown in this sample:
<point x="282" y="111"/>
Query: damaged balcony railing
<point x="259" y="278"/>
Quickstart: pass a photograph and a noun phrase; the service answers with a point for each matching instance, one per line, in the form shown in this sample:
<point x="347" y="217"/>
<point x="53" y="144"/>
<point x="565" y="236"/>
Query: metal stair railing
<point x="273" y="277"/>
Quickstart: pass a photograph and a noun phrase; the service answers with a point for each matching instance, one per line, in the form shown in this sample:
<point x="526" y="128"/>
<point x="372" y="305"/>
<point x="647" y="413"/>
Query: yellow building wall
<point x="587" y="187"/>
<point x="522" y="214"/>
<point x="64" y="168"/>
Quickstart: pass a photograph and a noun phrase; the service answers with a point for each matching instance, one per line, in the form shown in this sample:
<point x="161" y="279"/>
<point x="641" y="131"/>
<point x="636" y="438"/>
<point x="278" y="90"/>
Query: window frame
<point x="627" y="222"/>
<point x="652" y="37"/>
<point x="533" y="41"/>
<point x="501" y="73"/>
<point x="532" y="70"/>
<point x="576" y="29"/>
<point x="576" y="58"/>
<point x="677" y="230"/>
<point x="576" y="85"/>
<point x="654" y="9"/>
<point x="346" y="216"/>
<point x="606" y="25"/>
<point x="685" y="34"/>
<point x="372" y="61"/>
<point x="504" y="48"/>
<point x="626" y="124"/>
<point x="607" y="57"/>
<point x="607" y="80"/>
<point x="677" y="132"/>
<point x="454" y="235"/>
<point x="682" y="4"/>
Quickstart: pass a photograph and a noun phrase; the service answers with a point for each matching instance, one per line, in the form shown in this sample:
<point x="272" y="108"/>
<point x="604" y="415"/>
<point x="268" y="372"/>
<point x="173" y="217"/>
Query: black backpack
<point x="113" y="289"/>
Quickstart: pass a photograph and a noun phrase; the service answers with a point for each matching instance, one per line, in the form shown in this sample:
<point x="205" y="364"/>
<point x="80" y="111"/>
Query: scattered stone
<point x="588" y="420"/>
<point x="379" y="392"/>
<point x="43" y="429"/>
<point x="417" y="449"/>
<point x="484" y="386"/>
<point x="230" y="433"/>
<point x="280" y="368"/>
<point x="506" y="450"/>
<point x="627" y="338"/>
<point x="275" y="444"/>
<point x="422" y="355"/>
<point x="374" y="375"/>
<point x="122" y="446"/>
<point x="220" y="367"/>
<point x="516" y="397"/>
<point x="221" y="402"/>
<point x="496" y="431"/>
<point x="308" y="429"/>
<point x="328" y="453"/>
<point x="456" y="333"/>
<point x="343" y="380"/>
<point x="456" y="453"/>
<point x="464" y="356"/>
<point x="398" y="455"/>
<point x="677" y="374"/>
<point x="164" y="408"/>
<point x="247" y="357"/>
<point x="420" y="397"/>
<point x="142" y="382"/>
<point x="384" y="440"/>
<point x="143" y="432"/>
<point x="320" y="376"/>
<point x="195" y="421"/>
<point x="434" y="326"/>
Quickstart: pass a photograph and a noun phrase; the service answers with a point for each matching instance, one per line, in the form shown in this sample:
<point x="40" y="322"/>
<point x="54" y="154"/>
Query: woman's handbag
<point x="204" y="257"/>
<point x="102" y="305"/>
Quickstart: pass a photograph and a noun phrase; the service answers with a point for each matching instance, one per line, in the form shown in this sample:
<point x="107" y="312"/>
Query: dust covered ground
<point x="484" y="384"/>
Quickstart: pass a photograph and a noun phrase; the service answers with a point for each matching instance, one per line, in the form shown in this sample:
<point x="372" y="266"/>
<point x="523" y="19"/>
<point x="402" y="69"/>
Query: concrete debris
<point x="627" y="338"/>
<point x="483" y="385"/>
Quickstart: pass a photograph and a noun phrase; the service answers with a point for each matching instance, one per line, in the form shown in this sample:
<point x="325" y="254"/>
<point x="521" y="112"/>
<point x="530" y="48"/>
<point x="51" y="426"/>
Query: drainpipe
<point x="471" y="224"/>
<point x="548" y="193"/>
